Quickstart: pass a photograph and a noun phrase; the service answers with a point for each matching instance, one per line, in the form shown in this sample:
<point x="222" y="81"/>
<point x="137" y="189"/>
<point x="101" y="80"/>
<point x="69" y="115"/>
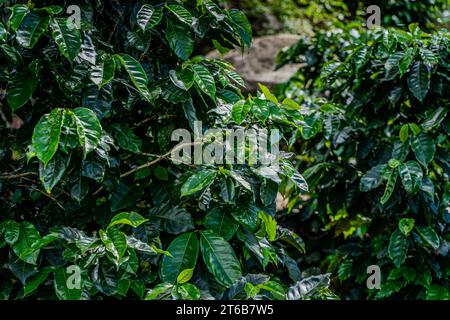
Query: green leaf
<point x="185" y="275"/>
<point x="27" y="237"/>
<point x="429" y="236"/>
<point x="51" y="174"/>
<point x="174" y="220"/>
<point x="12" y="232"/>
<point x="102" y="74"/>
<point x="67" y="39"/>
<point x="128" y="218"/>
<point x="244" y="28"/>
<point x="148" y="17"/>
<point x="372" y="179"/>
<point x="406" y="225"/>
<point x="240" y="111"/>
<point x="180" y="39"/>
<point x="159" y="292"/>
<point x="46" y="135"/>
<point x="136" y="73"/>
<point x="406" y="60"/>
<point x="308" y="287"/>
<point x="18" y="13"/>
<point x="219" y="258"/>
<point x="34" y="282"/>
<point x="419" y="81"/>
<point x="31" y="29"/>
<point x="437" y="292"/>
<point x="62" y="283"/>
<point x="198" y="181"/>
<point x="269" y="96"/>
<point x="398" y="248"/>
<point x="181" y="13"/>
<point x="411" y="175"/>
<point x="115" y="242"/>
<point x="183" y="79"/>
<point x="20" y="88"/>
<point x="126" y="138"/>
<point x="390" y="186"/>
<point x="89" y="129"/>
<point x="188" y="291"/>
<point x="404" y="133"/>
<point x="204" y="80"/>
<point x="221" y="222"/>
<point x="434" y="118"/>
<point x="424" y="148"/>
<point x="3" y="33"/>
<point x="184" y="250"/>
<point x="124" y="196"/>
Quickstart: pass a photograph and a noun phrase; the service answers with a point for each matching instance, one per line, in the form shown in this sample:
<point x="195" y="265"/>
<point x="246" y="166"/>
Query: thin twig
<point x="45" y="194"/>
<point x="9" y="176"/>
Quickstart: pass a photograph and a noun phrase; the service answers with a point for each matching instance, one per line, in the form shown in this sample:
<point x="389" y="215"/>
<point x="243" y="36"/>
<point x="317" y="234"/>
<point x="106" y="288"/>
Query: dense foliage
<point x="376" y="154"/>
<point x="86" y="177"/>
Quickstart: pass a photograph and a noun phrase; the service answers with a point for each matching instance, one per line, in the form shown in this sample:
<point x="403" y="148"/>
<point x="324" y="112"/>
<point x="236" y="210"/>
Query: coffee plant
<point x="374" y="147"/>
<point x="93" y="204"/>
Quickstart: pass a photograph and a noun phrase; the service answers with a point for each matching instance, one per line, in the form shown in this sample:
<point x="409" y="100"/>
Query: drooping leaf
<point x="136" y="73"/>
<point x="148" y="17"/>
<point x="89" y="129"/>
<point x="21" y="88"/>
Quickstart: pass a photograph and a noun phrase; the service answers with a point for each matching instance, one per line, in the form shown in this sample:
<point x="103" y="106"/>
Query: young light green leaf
<point x="406" y="225"/>
<point x="127" y="218"/>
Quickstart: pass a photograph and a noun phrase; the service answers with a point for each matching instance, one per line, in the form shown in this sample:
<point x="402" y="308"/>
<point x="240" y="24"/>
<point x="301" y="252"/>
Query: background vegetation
<point x="86" y="178"/>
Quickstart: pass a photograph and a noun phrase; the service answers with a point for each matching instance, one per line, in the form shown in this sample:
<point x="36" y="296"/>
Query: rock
<point x="257" y="64"/>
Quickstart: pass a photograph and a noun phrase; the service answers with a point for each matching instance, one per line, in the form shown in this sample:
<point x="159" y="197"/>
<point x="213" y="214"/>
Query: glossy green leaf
<point x="411" y="175"/>
<point x="12" y="232"/>
<point x="181" y="13"/>
<point x="136" y="73"/>
<point x="398" y="248"/>
<point x="419" y="80"/>
<point x="51" y="174"/>
<point x="219" y="258"/>
<point x="148" y="17"/>
<point x="126" y="138"/>
<point x="28" y="235"/>
<point x="180" y="39"/>
<point x="221" y="222"/>
<point x="89" y="129"/>
<point x="18" y="13"/>
<point x="204" y="80"/>
<point x="62" y="285"/>
<point x="424" y="149"/>
<point x="240" y="111"/>
<point x="21" y="88"/>
<point x="67" y="39"/>
<point x="390" y="187"/>
<point x="429" y="236"/>
<point x="198" y="181"/>
<point x="31" y="29"/>
<point x="46" y="135"/>
<point x="184" y="250"/>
